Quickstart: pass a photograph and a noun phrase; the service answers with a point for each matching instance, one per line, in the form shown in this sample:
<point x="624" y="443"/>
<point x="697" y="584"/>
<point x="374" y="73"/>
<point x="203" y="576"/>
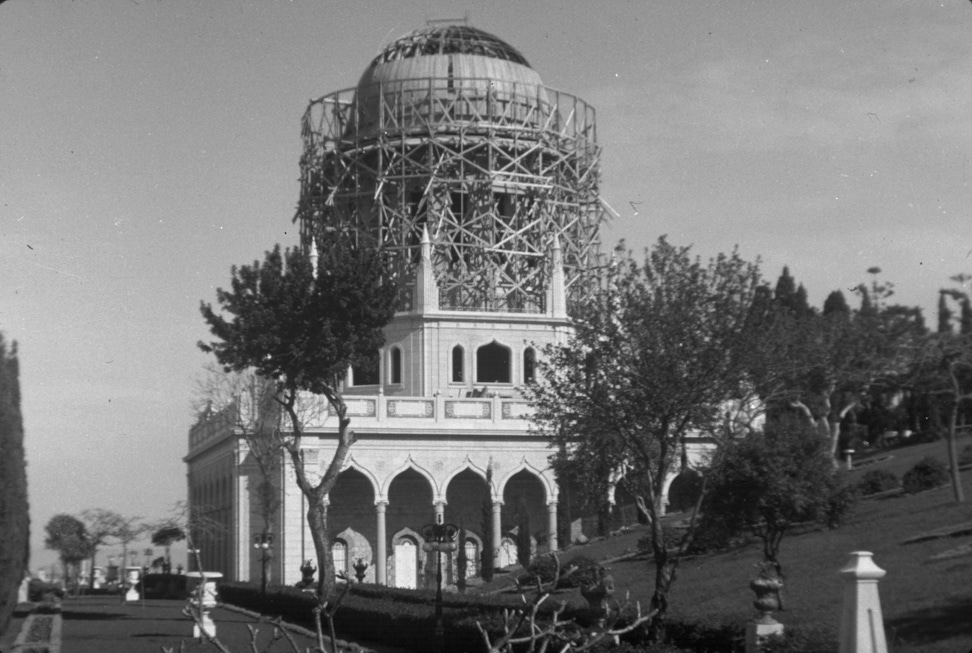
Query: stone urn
<point x="306" y="582"/>
<point x="767" y="586"/>
<point x="360" y="567"/>
<point x="599" y="594"/>
<point x="767" y="595"/>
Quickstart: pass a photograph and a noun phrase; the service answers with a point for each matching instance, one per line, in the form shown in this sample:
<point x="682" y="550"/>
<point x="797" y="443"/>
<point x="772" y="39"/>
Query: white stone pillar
<point x="440" y="512"/>
<point x="497" y="531"/>
<point x="381" y="557"/>
<point x="861" y="622"/>
<point x="552" y="525"/>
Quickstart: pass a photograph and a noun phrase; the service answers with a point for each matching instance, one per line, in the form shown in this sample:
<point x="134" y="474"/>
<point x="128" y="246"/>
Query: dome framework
<point x="473" y="148"/>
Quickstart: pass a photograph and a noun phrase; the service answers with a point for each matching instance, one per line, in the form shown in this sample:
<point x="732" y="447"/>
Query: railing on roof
<point x="442" y="106"/>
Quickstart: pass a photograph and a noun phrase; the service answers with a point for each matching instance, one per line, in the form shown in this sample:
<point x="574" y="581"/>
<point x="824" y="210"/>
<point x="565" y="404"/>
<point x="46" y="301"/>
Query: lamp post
<point x="439" y="538"/>
<point x="263" y="542"/>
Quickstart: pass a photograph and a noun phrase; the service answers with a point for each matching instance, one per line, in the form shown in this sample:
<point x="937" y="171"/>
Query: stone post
<point x="861" y="622"/>
<point x="381" y="561"/>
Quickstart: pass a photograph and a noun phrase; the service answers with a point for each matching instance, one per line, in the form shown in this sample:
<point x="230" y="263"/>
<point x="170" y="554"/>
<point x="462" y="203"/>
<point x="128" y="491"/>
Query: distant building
<point x="482" y="185"/>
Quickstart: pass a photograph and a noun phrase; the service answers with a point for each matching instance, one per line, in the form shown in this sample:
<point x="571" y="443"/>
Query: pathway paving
<point x="105" y="625"/>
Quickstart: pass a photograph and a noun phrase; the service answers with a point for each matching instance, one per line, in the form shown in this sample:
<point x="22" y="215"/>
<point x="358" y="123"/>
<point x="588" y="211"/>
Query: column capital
<point x="381" y="504"/>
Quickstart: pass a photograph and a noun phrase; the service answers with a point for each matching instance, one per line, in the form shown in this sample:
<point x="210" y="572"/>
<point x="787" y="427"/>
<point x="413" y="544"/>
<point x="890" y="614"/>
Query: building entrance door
<point x="406" y="556"/>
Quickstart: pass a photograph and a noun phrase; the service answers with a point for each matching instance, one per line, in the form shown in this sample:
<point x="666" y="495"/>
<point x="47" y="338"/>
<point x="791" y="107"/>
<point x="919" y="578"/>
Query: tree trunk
<point x="317" y="520"/>
<point x="953" y="462"/>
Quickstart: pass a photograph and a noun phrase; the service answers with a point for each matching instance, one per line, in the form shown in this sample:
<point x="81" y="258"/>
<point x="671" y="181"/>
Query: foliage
<point x="926" y="474"/>
<point x="524" y="546"/>
<point x="38" y="591"/>
<point x="822" y="366"/>
<point x="14" y="515"/>
<point x="68" y="536"/>
<point x="767" y="482"/>
<point x="965" y="458"/>
<point x="487" y="555"/>
<point x="165" y="586"/>
<point x="877" y="480"/>
<point x="462" y="561"/>
<point x="654" y="356"/>
<point x="101" y="525"/>
<point x="168" y="535"/>
<point x="301" y="322"/>
<point x="808" y="639"/>
<point x="578" y="571"/>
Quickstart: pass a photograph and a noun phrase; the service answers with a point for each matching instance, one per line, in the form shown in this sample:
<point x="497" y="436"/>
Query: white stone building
<point x="481" y="183"/>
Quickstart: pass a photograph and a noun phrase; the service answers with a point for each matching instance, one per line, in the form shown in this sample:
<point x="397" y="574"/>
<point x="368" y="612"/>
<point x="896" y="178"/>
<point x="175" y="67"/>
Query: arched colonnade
<point x="379" y="518"/>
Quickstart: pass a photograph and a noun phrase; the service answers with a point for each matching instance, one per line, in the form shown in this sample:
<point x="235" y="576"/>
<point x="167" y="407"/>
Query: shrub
<point x="926" y="474"/>
<point x="877" y="480"/>
<point x="165" y="586"/>
<point x="965" y="458"/>
<point x="586" y="572"/>
<point x="403" y="618"/>
<point x="38" y="591"/>
<point x="805" y="639"/>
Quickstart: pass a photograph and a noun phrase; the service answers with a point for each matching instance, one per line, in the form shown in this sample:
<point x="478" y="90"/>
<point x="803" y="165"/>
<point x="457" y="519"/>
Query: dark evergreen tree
<point x="462" y="560"/>
<point x="14" y="517"/>
<point x="944" y="314"/>
<point x="524" y="549"/>
<point x="800" y="306"/>
<point x="785" y="288"/>
<point x="68" y="536"/>
<point x="965" y="317"/>
<point x="836" y="304"/>
<point x="487" y="555"/>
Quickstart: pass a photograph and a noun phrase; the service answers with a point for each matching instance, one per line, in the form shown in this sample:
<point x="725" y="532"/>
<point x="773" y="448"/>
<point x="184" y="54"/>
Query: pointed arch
<point x="351" y="463"/>
<point x="546" y="480"/>
<point x="466" y="464"/>
<point x="422" y="471"/>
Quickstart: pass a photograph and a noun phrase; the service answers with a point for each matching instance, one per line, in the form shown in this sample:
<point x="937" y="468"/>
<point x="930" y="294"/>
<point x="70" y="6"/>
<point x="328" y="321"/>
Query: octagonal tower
<point x="451" y="132"/>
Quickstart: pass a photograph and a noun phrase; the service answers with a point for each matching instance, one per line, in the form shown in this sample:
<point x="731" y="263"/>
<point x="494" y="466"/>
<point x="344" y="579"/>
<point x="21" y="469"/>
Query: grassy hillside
<point x="927" y="604"/>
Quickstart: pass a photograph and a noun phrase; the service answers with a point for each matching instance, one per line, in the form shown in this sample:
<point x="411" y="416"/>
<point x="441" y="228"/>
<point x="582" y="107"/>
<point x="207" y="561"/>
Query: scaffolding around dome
<point x="473" y="148"/>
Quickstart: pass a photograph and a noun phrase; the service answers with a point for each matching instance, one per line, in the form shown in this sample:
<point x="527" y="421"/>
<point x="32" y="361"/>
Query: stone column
<point x="381" y="555"/>
<point x="861" y="622"/>
<point x="497" y="531"/>
<point x="440" y="512"/>
<point x="552" y="525"/>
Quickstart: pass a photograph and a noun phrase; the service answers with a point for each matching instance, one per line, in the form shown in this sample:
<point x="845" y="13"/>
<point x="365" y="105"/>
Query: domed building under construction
<point x="481" y="184"/>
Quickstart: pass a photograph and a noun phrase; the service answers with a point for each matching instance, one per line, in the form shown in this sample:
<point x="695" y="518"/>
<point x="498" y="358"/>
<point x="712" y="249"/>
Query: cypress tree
<point x="14" y="517"/>
<point x="944" y="314"/>
<point x="486" y="555"/>
<point x="836" y="304"/>
<point x="523" y="544"/>
<point x="965" y="317"/>
<point x="785" y="288"/>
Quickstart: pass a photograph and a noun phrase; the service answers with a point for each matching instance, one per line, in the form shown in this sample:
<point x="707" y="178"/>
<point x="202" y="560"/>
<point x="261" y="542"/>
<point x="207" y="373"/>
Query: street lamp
<point x="439" y="538"/>
<point x="263" y="542"/>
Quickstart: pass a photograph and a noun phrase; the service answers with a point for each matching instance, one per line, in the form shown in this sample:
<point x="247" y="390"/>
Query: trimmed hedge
<point x="14" y="517"/>
<point x="165" y="586"/>
<point x="877" y="480"/>
<point x="401" y="623"/>
<point x="927" y="473"/>
<point x="585" y="574"/>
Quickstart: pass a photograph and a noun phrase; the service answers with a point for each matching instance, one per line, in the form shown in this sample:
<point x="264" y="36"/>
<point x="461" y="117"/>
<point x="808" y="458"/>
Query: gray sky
<point x="147" y="146"/>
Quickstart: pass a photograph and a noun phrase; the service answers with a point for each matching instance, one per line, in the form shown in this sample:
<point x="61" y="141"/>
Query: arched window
<point x="396" y="365"/>
<point x="365" y="372"/>
<point x="339" y="553"/>
<point x="458" y="356"/>
<point x="529" y="365"/>
<point x="493" y="363"/>
<point x="472" y="557"/>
